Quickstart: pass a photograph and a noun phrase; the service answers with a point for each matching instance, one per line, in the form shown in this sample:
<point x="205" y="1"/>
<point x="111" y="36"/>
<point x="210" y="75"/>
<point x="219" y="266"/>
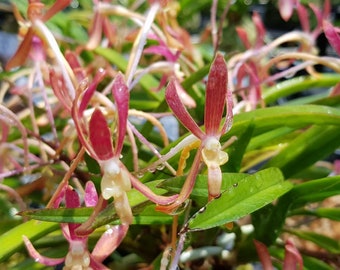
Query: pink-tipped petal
<point x="286" y="8"/>
<point x="109" y="241"/>
<point x="90" y="90"/>
<point x="21" y="54"/>
<point x="243" y="35"/>
<point x="260" y="29"/>
<point x="39" y="258"/>
<point x="121" y="95"/>
<point x="73" y="61"/>
<point x="215" y="96"/>
<point x="264" y="255"/>
<point x="332" y="36"/>
<point x="326" y="10"/>
<point x="71" y="198"/>
<point x="176" y="105"/>
<point x="303" y="17"/>
<point x="55" y="8"/>
<point x="293" y="258"/>
<point x="100" y="136"/>
<point x="109" y="31"/>
<point x="59" y="88"/>
<point x="95" y="32"/>
<point x="91" y="196"/>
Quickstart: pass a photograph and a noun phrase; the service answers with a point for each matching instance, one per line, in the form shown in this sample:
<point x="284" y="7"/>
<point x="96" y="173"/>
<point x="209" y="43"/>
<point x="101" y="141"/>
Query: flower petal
<point x="39" y="258"/>
<point x="176" y="105"/>
<point x="109" y="241"/>
<point x="91" y="196"/>
<point x="91" y="89"/>
<point x="121" y="95"/>
<point x="292" y="258"/>
<point x="21" y="54"/>
<point x="100" y="136"/>
<point x="264" y="255"/>
<point x="215" y="96"/>
<point x="286" y="8"/>
<point x="332" y="36"/>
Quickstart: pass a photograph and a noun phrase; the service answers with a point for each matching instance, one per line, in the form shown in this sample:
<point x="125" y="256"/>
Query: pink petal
<point x="332" y="36"/>
<point x="304" y="17"/>
<point x="71" y="198"/>
<point x="109" y="31"/>
<point x="260" y="29"/>
<point x="121" y="95"/>
<point x="91" y="89"/>
<point x="21" y="54"/>
<point x="327" y="8"/>
<point x="286" y="8"/>
<point x="72" y="59"/>
<point x="264" y="255"/>
<point x="95" y="32"/>
<point x="39" y="258"/>
<point x="163" y="51"/>
<point x="243" y="35"/>
<point x="100" y="136"/>
<point x="59" y="88"/>
<point x="55" y="8"/>
<point x="109" y="241"/>
<point x="176" y="105"/>
<point x="215" y="97"/>
<point x="91" y="196"/>
<point x="292" y="258"/>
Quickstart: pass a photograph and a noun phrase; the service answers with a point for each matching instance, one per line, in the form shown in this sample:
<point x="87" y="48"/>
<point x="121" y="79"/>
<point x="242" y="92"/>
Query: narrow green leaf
<point x="323" y="241"/>
<point x="312" y="191"/>
<point x="250" y="194"/>
<point x="60" y="215"/>
<point x="298" y="84"/>
<point x="284" y="116"/>
<point x="33" y="229"/>
<point x="312" y="145"/>
<point x="330" y="213"/>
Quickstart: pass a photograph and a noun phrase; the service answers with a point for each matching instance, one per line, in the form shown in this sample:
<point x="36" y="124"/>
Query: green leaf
<point x="312" y="145"/>
<point x="323" y="241"/>
<point x="11" y="241"/>
<point x="268" y="221"/>
<point x="284" y="116"/>
<point x="299" y="84"/>
<point x="312" y="191"/>
<point x="250" y="194"/>
<point x="60" y="215"/>
<point x="330" y="213"/>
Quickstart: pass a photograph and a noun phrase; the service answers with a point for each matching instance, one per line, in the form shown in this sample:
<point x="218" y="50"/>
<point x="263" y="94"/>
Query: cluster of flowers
<point x="91" y="111"/>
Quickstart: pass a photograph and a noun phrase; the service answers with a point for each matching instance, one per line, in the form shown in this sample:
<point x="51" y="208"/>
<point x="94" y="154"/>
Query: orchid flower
<point x="217" y="98"/>
<point x="32" y="44"/>
<point x="117" y="180"/>
<point x="292" y="259"/>
<point x="78" y="256"/>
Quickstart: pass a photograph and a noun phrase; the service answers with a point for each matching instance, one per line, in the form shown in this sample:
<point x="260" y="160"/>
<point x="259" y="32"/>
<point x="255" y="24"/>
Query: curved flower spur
<point x="210" y="151"/>
<point x="116" y="180"/>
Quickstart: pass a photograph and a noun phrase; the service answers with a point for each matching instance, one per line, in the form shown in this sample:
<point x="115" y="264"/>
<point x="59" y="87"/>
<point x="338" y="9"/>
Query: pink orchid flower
<point x="292" y="259"/>
<point x="217" y="98"/>
<point x="78" y="256"/>
<point x="33" y="42"/>
<point x="117" y="180"/>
